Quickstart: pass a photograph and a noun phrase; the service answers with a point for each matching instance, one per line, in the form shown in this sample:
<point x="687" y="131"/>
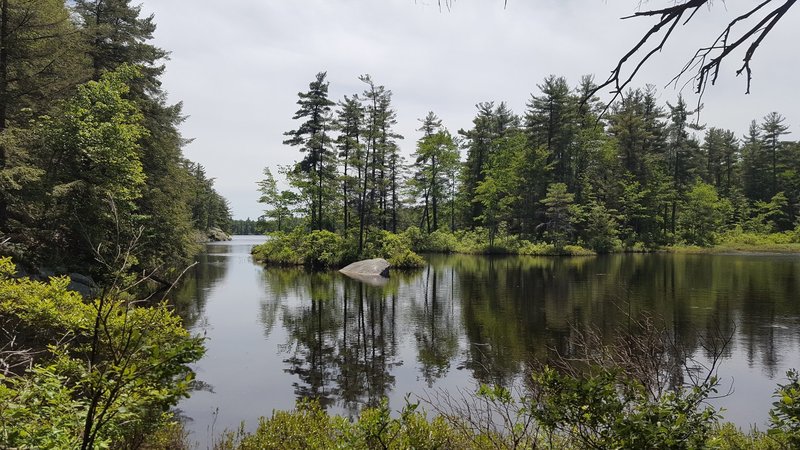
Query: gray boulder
<point x="82" y="284"/>
<point x="368" y="267"/>
<point x="215" y="234"/>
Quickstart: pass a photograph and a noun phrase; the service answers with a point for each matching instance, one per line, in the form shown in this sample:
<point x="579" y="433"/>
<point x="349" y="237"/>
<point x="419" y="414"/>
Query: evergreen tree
<point x="501" y="191"/>
<point x="773" y="128"/>
<point x="350" y="116"/>
<point x="435" y="158"/>
<point x="682" y="151"/>
<point x="313" y="139"/>
<point x="489" y="124"/>
<point x="40" y="62"/>
<point x="550" y="124"/>
<point x="560" y="214"/>
<point x="703" y="213"/>
<point x="756" y="179"/>
<point x="722" y="157"/>
<point x="117" y="34"/>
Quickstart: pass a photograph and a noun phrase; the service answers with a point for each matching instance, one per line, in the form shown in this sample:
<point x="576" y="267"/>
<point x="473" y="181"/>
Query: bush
<point x="281" y="249"/>
<point x="322" y="249"/>
<point x="438" y="241"/>
<point x="310" y="427"/>
<point x="122" y="366"/>
<point x="318" y="249"/>
<point x="406" y="260"/>
<point x="785" y="412"/>
<point x="739" y="237"/>
<point x="728" y="437"/>
<point x="608" y="410"/>
<point x="396" y="248"/>
<point x="544" y="249"/>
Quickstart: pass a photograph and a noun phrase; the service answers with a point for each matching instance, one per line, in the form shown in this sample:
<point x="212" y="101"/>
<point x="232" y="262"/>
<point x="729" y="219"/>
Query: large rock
<point x="215" y="234"/>
<point x="83" y="285"/>
<point x="368" y="267"/>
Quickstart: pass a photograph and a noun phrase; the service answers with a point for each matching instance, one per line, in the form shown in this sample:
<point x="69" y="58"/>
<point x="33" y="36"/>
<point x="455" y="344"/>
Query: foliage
<point x="38" y="410"/>
<point x="438" y="241"/>
<point x="396" y="248"/>
<point x="101" y="371"/>
<point x="297" y="248"/>
<point x="560" y="214"/>
<point x="321" y="249"/>
<point x="785" y="412"/>
<point x="703" y="214"/>
<point x="606" y="410"/>
<point x="84" y="122"/>
<point x="310" y="427"/>
<point x="635" y="179"/>
<point x="603" y="409"/>
<point x="602" y="229"/>
<point x="729" y="437"/>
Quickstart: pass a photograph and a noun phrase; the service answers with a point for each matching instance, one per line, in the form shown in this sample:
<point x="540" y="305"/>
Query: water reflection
<point x="465" y="318"/>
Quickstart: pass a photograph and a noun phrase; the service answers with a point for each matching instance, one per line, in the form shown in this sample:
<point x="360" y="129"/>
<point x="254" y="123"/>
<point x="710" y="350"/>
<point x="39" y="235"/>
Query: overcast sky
<point x="237" y="66"/>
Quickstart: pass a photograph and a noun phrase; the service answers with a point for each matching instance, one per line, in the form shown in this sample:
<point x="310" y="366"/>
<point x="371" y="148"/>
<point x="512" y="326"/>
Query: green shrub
<point x="322" y="249"/>
<point x="281" y="249"/>
<point x="310" y="427"/>
<point x="122" y="366"/>
<point x="406" y="260"/>
<point x="739" y="237"/>
<point x="606" y="409"/>
<point x="785" y="412"/>
<point x="396" y="248"/>
<point x="729" y="437"/>
<point x="544" y="249"/>
<point x="317" y="249"/>
<point x="577" y="250"/>
<point x="439" y="241"/>
<point x="537" y="249"/>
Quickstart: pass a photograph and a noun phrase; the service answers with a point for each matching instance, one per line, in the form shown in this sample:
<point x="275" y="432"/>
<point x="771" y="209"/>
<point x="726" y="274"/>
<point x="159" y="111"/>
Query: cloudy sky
<point x="237" y="66"/>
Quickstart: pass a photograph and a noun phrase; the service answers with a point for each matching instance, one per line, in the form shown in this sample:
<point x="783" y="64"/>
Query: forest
<point x="90" y="150"/>
<point x="569" y="172"/>
<point x="94" y="184"/>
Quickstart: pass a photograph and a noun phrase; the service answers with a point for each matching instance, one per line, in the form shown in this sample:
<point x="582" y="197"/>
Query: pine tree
<point x="773" y="128"/>
<point x="40" y="63"/>
<point x="560" y="214"/>
<point x="349" y="118"/>
<point x="435" y="158"/>
<point x="117" y="34"/>
<point x="312" y="138"/>
<point x="550" y="124"/>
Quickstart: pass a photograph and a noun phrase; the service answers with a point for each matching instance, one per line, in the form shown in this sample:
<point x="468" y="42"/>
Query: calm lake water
<point x="275" y="335"/>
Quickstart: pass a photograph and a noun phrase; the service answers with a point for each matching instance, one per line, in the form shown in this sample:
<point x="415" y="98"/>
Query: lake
<point x="276" y="335"/>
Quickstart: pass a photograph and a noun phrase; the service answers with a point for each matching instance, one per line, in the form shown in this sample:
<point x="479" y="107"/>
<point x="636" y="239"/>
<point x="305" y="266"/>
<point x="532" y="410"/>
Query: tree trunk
<point x="3" y="102"/>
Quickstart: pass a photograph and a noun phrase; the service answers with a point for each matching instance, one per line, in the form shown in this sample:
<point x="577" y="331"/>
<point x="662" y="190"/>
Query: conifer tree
<point x="312" y="137"/>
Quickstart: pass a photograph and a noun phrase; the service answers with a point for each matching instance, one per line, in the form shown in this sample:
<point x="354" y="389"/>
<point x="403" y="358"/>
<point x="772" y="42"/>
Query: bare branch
<point x="707" y="60"/>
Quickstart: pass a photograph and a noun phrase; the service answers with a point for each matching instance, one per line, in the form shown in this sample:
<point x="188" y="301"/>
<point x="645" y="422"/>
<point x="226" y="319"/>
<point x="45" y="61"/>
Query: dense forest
<point x="93" y="181"/>
<point x="633" y="175"/>
<point x="90" y="152"/>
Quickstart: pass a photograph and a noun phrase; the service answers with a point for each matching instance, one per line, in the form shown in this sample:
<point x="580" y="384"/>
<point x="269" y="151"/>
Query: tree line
<point x="90" y="150"/>
<point x="641" y="175"/>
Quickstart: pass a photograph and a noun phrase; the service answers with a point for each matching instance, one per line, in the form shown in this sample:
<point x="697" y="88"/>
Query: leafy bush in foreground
<point x="604" y="410"/>
<point x="785" y="413"/>
<point x="310" y="427"/>
<point x="86" y="374"/>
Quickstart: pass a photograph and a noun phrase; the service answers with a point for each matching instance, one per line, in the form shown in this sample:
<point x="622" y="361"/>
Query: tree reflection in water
<point x="493" y="316"/>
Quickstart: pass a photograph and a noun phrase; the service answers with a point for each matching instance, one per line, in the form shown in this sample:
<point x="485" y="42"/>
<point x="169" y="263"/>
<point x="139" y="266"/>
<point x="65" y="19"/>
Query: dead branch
<point x="746" y="30"/>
